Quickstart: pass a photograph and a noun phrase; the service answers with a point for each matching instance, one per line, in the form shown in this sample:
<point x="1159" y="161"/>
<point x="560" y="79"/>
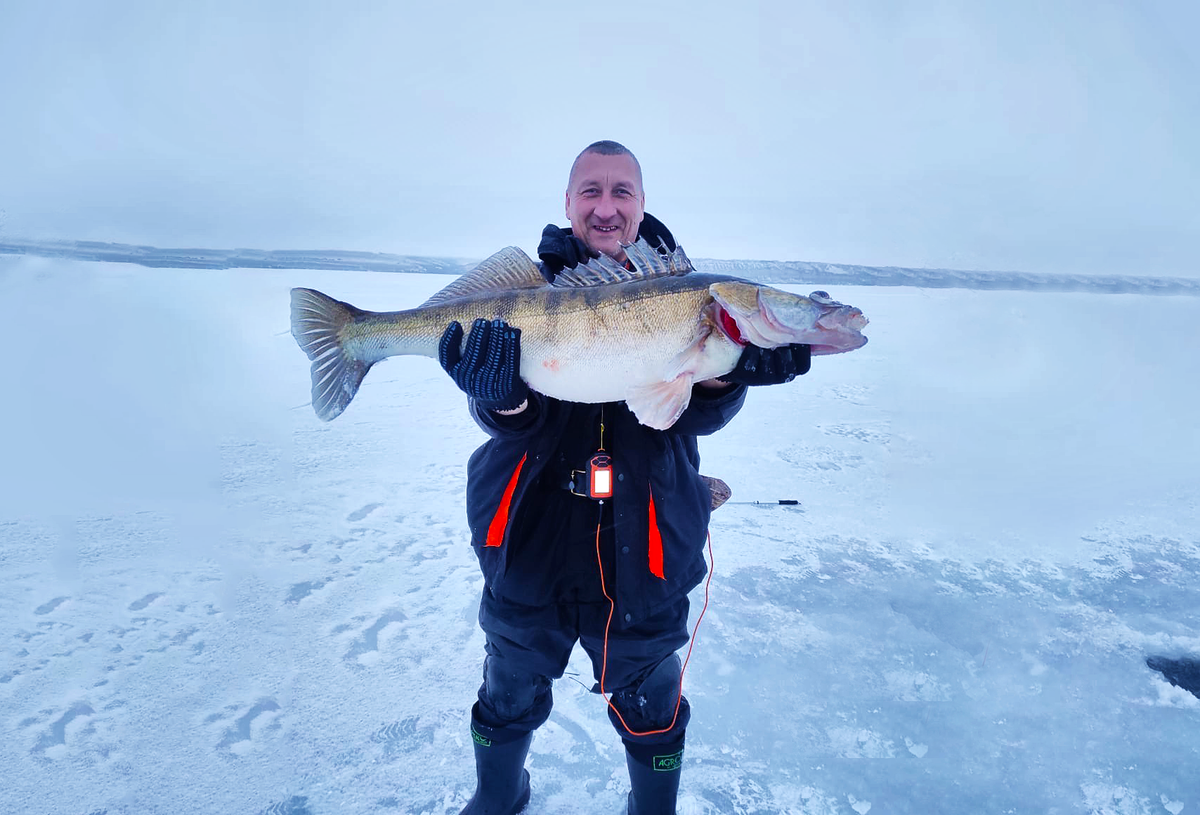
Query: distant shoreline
<point x="765" y="271"/>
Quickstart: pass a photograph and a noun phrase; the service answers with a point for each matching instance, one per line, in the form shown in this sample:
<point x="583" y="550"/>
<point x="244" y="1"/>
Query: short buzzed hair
<point x="605" y="147"/>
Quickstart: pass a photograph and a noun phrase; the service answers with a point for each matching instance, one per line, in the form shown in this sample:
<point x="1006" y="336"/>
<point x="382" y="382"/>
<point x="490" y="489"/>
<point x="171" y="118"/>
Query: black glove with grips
<point x="656" y="233"/>
<point x="560" y="250"/>
<point x="489" y="368"/>
<point x="770" y="366"/>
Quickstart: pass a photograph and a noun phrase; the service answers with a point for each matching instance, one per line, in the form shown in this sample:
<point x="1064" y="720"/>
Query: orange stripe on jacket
<point x="495" y="535"/>
<point x="656" y="552"/>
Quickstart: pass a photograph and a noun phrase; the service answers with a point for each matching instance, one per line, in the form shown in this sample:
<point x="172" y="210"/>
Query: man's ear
<point x="567" y="204"/>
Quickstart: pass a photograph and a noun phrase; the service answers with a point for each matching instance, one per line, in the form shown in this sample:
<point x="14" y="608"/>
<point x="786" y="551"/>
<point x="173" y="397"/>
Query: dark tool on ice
<point x="784" y="502"/>
<point x="721" y="493"/>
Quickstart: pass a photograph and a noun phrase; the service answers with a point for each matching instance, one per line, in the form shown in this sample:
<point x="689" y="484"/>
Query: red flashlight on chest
<point x="600" y="477"/>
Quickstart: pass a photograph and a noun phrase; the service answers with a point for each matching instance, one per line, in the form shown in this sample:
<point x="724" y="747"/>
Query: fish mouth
<point x="841" y="330"/>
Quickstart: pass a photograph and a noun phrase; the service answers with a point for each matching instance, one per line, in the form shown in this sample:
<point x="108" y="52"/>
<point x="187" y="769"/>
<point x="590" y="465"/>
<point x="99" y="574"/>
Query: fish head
<point x="767" y="317"/>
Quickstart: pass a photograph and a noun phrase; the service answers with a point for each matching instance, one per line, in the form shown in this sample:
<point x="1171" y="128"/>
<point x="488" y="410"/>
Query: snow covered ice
<point x="212" y="602"/>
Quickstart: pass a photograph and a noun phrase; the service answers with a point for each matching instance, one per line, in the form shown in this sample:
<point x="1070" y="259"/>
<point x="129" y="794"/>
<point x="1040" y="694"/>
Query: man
<point x="561" y="567"/>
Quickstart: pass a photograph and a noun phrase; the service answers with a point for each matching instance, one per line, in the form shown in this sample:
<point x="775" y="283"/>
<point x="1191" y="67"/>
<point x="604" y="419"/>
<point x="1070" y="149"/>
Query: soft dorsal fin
<point x="647" y="264"/>
<point x="508" y="269"/>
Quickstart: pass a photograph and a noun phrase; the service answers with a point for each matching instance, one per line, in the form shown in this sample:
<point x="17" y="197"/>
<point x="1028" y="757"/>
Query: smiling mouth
<point x="606" y="230"/>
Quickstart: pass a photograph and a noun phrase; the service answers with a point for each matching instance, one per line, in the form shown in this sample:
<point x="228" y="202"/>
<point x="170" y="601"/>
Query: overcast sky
<point x="1054" y="137"/>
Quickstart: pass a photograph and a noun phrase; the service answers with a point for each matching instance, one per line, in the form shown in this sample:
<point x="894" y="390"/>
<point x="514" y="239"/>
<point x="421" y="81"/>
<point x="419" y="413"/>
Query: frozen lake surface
<point x="211" y="602"/>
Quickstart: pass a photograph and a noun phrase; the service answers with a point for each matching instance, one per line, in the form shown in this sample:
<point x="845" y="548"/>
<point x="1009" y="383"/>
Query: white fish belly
<point x="608" y="381"/>
<point x="591" y="375"/>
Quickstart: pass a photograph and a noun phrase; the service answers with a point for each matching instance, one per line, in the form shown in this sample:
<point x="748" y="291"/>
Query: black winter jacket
<point x="521" y="515"/>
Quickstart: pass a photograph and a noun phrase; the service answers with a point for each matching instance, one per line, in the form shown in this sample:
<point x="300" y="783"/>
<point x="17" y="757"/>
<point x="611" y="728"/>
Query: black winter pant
<point x="528" y="647"/>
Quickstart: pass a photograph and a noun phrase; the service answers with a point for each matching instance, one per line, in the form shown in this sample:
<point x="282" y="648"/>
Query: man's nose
<point x="606" y="207"/>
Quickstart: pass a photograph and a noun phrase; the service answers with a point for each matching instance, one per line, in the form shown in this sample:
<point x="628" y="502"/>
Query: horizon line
<point x="770" y="271"/>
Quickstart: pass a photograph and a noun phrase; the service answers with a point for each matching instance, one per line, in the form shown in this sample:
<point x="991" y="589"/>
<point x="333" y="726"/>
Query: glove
<point x="656" y="233"/>
<point x="560" y="250"/>
<point x="770" y="366"/>
<point x="489" y="368"/>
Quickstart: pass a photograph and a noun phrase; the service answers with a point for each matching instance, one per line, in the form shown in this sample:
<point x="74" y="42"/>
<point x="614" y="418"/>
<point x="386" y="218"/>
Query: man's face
<point x="605" y="202"/>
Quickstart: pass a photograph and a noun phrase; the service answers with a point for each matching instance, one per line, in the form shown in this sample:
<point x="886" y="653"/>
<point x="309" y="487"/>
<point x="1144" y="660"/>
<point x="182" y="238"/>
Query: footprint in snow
<point x="296" y="805"/>
<point x="248" y="725"/>
<point x="365" y="650"/>
<point x="404" y="736"/>
<point x="49" y="606"/>
<point x="359" y="514"/>
<point x="299" y="591"/>
<point x="857" y="432"/>
<point x="141" y="604"/>
<point x="180" y="637"/>
<point x="52" y="743"/>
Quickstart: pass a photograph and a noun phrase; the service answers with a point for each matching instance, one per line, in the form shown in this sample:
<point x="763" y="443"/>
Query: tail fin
<point x="317" y="321"/>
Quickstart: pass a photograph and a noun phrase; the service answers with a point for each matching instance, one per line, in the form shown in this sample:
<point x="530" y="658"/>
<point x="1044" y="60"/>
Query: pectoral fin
<point x="658" y="405"/>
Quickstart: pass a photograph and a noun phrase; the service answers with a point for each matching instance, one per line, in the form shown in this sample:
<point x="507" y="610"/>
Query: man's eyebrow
<point x="595" y="182"/>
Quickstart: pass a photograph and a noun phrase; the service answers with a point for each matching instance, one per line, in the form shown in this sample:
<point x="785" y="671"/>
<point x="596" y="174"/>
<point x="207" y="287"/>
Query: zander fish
<point x="599" y="333"/>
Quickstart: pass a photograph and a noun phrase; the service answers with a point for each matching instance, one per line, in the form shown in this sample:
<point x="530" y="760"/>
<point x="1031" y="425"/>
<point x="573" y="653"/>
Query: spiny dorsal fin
<point x="647" y="264"/>
<point x="508" y="269"/>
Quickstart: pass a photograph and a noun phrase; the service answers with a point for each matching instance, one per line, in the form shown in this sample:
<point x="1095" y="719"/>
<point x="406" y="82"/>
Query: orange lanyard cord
<point x="691" y="644"/>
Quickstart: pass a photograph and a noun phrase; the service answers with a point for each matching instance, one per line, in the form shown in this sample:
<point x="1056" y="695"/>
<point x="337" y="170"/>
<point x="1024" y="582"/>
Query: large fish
<point x="600" y="333"/>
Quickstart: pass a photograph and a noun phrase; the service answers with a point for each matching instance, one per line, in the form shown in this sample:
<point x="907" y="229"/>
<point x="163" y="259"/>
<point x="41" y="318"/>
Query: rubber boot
<point x="501" y="780"/>
<point x="654" y="772"/>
